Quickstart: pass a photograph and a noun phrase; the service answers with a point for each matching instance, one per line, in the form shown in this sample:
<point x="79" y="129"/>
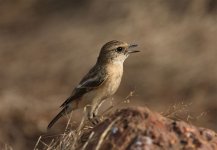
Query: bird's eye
<point x="119" y="49"/>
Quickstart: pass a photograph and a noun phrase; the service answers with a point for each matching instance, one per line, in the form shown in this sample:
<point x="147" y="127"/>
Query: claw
<point x="94" y="119"/>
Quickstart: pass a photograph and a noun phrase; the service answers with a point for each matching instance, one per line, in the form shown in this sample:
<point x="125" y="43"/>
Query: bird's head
<point x="116" y="51"/>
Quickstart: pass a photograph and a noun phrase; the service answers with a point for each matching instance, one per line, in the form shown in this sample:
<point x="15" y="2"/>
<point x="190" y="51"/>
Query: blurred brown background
<point x="46" y="46"/>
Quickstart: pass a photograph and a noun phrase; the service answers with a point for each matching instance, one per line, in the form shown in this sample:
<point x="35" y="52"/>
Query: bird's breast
<point x="108" y="88"/>
<point x="115" y="72"/>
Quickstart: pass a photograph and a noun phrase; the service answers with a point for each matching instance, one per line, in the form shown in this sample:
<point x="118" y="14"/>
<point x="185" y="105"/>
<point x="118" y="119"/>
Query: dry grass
<point x="79" y="137"/>
<point x="70" y="139"/>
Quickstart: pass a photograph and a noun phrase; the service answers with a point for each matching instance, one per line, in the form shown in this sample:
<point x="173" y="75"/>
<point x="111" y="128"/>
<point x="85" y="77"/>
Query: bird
<point x="100" y="83"/>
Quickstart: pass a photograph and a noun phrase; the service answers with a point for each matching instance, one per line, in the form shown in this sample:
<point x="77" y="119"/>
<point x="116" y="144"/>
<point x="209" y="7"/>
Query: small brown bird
<point x="101" y="82"/>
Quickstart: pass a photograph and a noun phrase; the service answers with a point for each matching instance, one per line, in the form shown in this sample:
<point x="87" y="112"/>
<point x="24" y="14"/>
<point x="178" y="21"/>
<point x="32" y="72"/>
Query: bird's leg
<point x="90" y="114"/>
<point x="93" y="116"/>
<point x="96" y="110"/>
<point x="93" y="119"/>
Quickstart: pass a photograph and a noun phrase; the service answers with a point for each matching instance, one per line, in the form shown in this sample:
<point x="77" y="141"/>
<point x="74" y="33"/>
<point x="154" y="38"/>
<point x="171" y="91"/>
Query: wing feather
<point x="93" y="79"/>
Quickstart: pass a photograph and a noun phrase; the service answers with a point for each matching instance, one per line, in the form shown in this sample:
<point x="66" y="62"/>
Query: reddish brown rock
<point x="141" y="129"/>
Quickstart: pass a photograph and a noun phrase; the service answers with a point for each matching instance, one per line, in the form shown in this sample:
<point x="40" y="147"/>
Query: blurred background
<point x="46" y="46"/>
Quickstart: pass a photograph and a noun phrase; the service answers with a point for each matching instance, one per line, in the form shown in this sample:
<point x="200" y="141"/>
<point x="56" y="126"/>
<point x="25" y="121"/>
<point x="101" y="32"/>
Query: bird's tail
<point x="57" y="117"/>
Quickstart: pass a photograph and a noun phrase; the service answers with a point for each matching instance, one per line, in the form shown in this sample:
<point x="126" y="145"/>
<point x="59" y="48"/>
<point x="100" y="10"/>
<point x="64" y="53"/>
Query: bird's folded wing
<point x="94" y="78"/>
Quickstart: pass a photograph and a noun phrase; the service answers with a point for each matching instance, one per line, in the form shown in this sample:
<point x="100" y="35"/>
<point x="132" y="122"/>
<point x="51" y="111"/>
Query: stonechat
<point x="101" y="82"/>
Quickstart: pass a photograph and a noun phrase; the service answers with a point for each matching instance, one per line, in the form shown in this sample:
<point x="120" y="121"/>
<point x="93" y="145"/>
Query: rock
<point x="141" y="129"/>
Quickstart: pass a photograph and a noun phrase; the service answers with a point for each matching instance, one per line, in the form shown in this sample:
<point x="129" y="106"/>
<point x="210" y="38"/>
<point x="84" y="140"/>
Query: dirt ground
<point x="46" y="46"/>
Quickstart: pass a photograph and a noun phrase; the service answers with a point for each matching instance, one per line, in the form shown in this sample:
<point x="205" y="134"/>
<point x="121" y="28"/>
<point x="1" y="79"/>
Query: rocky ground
<point x="138" y="128"/>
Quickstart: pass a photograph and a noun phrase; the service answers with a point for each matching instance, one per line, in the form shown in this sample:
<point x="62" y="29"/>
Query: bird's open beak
<point x="132" y="46"/>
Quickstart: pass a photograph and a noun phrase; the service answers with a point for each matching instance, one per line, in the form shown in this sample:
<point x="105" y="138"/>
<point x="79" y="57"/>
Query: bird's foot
<point x="94" y="120"/>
